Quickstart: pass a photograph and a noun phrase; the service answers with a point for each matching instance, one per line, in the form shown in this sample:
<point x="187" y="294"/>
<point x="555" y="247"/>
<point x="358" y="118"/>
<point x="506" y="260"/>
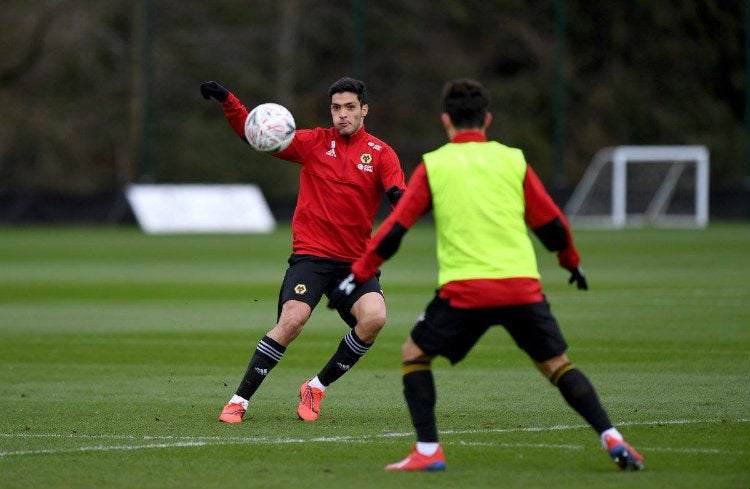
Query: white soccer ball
<point x="269" y="127"/>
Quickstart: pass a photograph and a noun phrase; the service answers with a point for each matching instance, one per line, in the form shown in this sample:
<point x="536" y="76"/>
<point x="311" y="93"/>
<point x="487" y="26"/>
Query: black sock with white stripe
<point x="349" y="352"/>
<point x="267" y="355"/>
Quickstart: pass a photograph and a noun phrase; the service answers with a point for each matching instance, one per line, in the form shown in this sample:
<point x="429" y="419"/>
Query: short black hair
<point x="347" y="84"/>
<point x="466" y="101"/>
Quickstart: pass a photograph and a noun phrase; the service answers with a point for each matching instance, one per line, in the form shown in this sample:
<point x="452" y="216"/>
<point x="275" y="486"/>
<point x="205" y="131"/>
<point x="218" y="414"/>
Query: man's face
<point x="347" y="113"/>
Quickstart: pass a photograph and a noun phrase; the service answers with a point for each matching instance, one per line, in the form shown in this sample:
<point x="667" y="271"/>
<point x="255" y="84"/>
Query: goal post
<point x="627" y="186"/>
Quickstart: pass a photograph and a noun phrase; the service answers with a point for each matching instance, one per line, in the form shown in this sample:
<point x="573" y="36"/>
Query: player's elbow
<point x="394" y="194"/>
<point x="391" y="242"/>
<point x="553" y="235"/>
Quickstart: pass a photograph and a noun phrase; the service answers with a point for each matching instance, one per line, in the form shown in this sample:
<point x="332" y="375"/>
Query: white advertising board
<point x="200" y="208"/>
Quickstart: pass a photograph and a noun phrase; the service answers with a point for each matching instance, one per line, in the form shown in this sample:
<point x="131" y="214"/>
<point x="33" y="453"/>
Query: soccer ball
<point x="269" y="127"/>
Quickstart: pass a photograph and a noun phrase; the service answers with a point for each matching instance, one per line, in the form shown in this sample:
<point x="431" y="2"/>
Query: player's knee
<point x="371" y="319"/>
<point x="292" y="320"/>
<point x="370" y="325"/>
<point x="410" y="352"/>
<point x="550" y="367"/>
<point x="286" y="332"/>
<point x="376" y="319"/>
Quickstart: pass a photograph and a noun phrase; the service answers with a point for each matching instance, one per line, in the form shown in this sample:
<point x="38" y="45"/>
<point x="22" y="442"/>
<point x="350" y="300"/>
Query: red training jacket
<point x="342" y="182"/>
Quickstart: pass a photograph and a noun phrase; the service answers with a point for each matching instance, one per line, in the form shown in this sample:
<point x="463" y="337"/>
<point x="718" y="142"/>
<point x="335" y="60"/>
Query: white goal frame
<point x="620" y="157"/>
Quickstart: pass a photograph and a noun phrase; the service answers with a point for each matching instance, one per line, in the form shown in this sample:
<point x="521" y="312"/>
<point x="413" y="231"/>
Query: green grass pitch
<point x="118" y="350"/>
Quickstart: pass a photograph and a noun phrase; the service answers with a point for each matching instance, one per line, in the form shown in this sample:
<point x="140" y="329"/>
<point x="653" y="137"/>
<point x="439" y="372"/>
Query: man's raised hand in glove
<point x="212" y="89"/>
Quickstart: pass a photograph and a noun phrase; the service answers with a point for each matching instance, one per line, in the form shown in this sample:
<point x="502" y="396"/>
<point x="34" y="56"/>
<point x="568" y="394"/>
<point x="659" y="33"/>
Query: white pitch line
<point x="201" y="441"/>
<point x="192" y="444"/>
<point x="714" y="451"/>
<point x="96" y="448"/>
<point x="520" y="445"/>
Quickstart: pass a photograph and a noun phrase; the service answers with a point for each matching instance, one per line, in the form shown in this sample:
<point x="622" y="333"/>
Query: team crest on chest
<point x="365" y="162"/>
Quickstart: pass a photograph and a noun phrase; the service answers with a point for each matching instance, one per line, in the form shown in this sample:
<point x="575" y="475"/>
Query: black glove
<point x="212" y="89"/>
<point x="577" y="276"/>
<point x="342" y="292"/>
<point x="394" y="193"/>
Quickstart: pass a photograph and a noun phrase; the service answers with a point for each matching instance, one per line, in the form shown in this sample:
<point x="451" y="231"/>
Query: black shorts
<point x="452" y="333"/>
<point x="309" y="277"/>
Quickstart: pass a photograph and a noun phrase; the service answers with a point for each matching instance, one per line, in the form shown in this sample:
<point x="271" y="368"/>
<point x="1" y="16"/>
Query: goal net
<point x="642" y="186"/>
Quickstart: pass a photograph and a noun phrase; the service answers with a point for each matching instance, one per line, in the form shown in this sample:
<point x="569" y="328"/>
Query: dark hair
<point x="466" y="101"/>
<point x="347" y="84"/>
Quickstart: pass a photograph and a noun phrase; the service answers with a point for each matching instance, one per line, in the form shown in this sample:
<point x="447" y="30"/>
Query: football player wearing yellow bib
<point x="484" y="197"/>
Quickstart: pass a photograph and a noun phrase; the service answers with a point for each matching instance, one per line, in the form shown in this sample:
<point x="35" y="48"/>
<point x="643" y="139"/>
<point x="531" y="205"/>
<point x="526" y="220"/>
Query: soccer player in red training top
<point x="344" y="173"/>
<point x="484" y="197"/>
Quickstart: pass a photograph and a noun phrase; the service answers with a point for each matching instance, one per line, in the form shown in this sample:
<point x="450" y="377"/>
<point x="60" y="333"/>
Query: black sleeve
<point x="394" y="194"/>
<point x="390" y="243"/>
<point x="552" y="235"/>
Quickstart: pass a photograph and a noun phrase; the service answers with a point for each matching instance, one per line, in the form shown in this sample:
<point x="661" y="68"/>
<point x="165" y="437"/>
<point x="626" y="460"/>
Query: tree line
<point x="99" y="94"/>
